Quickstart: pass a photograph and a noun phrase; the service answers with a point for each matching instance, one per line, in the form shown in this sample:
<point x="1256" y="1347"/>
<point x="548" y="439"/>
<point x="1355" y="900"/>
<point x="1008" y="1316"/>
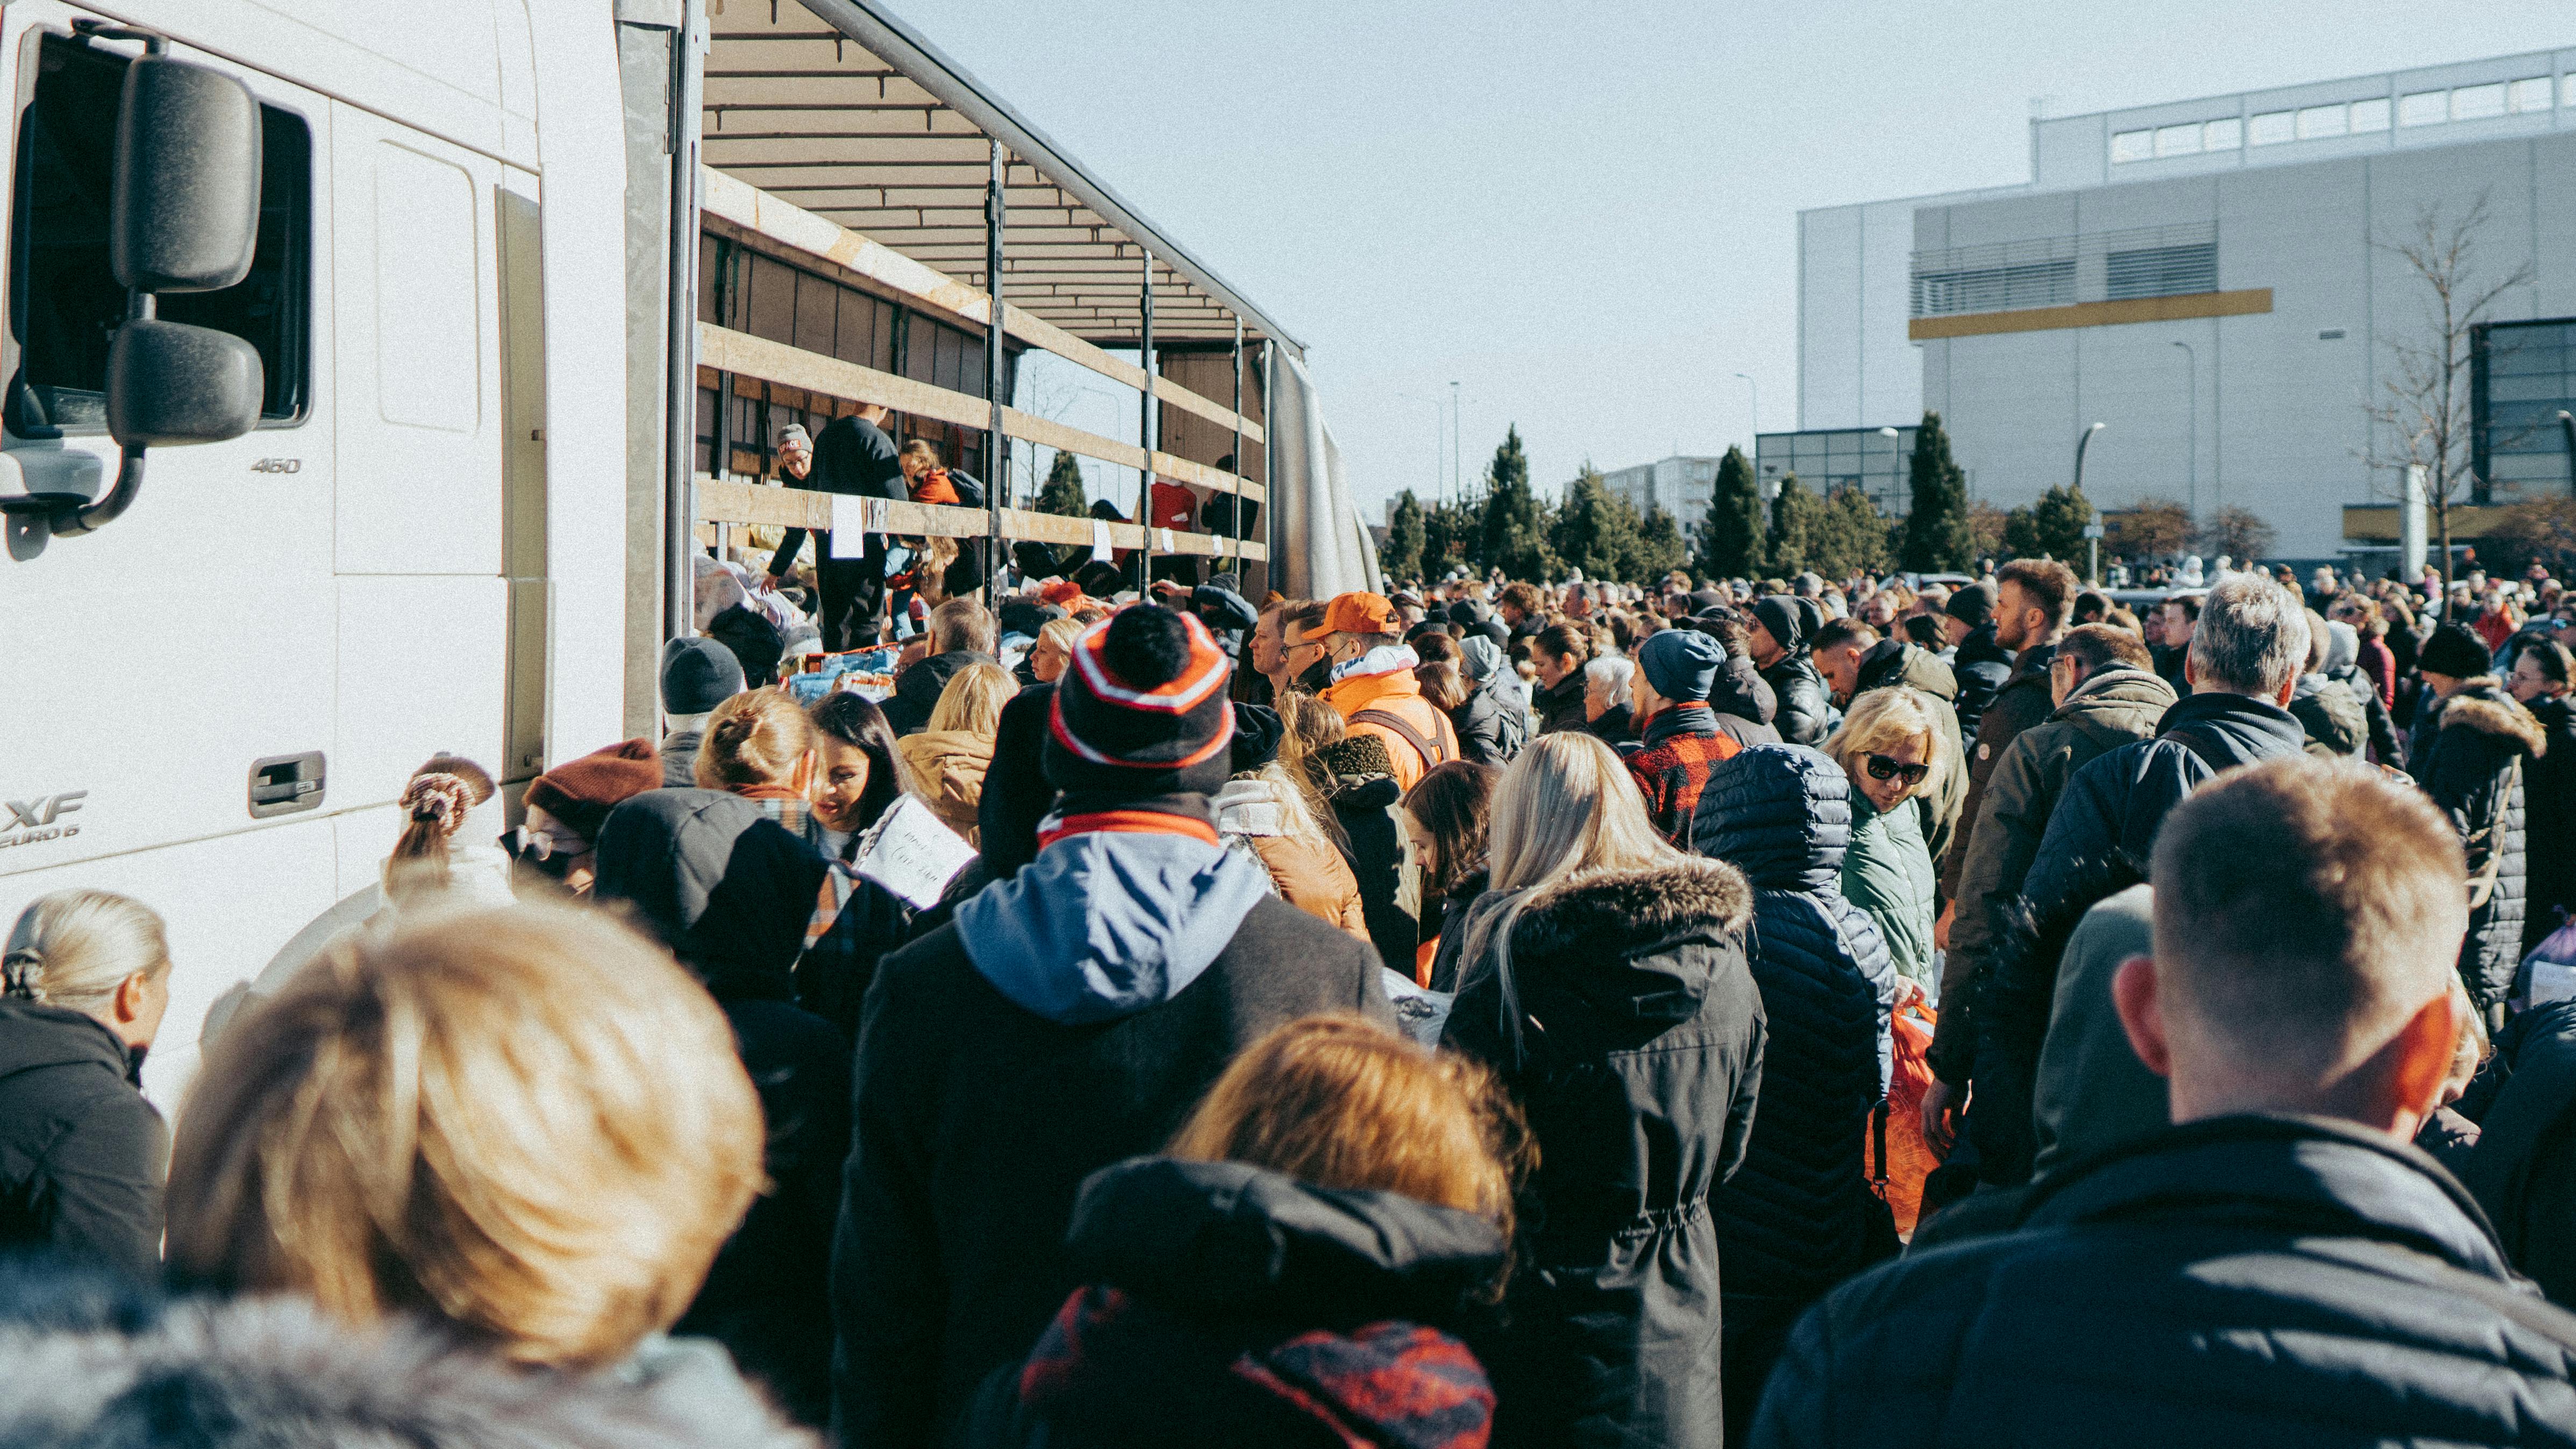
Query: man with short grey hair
<point x="2245" y="659"/>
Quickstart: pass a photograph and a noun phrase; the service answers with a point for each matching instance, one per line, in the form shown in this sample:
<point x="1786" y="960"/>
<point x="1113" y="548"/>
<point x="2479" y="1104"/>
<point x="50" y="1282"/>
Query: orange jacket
<point x="1397" y="693"/>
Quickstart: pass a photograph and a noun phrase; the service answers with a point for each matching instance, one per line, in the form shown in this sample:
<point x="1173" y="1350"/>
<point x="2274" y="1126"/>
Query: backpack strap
<point x="1428" y="749"/>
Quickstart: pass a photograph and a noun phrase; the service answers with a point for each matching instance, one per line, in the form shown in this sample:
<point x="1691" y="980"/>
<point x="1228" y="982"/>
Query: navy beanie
<point x="1681" y="664"/>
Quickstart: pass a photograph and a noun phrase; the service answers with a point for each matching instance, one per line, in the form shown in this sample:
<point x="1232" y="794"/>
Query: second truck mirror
<point x="183" y="214"/>
<point x="168" y="383"/>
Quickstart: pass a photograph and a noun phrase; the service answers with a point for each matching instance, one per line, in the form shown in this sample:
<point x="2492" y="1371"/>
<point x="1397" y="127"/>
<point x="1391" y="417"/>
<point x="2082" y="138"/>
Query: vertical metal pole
<point x="1457" y="459"/>
<point x="1271" y="577"/>
<point x="997" y="446"/>
<point x="1145" y="429"/>
<point x="1239" y="504"/>
<point x="680" y="391"/>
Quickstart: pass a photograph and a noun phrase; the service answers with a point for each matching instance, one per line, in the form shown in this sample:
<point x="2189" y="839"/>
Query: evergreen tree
<point x="1451" y="534"/>
<point x="1936" y="527"/>
<point x="1659" y="548"/>
<point x="1849" y="537"/>
<point x="2053" y="527"/>
<point x="1062" y="493"/>
<point x="1796" y="516"/>
<point x="1515" y="523"/>
<point x="1596" y="531"/>
<point x="1731" y="538"/>
<point x="1405" y="536"/>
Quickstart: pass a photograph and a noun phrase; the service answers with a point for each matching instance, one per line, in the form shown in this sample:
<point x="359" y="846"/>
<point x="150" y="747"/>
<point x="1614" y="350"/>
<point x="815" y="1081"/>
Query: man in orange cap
<point x="1374" y="688"/>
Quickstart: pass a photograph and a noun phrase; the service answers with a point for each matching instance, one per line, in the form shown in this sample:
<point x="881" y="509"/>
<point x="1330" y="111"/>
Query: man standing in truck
<point x="853" y="456"/>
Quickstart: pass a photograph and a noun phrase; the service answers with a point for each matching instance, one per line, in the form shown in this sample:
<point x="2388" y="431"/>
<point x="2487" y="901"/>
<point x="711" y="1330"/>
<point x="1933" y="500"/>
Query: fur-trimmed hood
<point x="2483" y="705"/>
<point x="276" y="1374"/>
<point x="1622" y="911"/>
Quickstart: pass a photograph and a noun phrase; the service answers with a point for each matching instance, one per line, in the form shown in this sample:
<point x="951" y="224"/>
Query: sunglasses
<point x="1883" y="768"/>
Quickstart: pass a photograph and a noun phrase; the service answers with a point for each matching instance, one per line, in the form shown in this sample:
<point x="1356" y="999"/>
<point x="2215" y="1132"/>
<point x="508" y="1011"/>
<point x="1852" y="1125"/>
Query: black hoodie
<point x="82" y="1155"/>
<point x="730" y="892"/>
<point x="1233" y="1305"/>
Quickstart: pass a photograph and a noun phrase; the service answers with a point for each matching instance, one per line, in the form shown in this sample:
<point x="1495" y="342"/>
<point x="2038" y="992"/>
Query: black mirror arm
<point x="90" y="517"/>
<point x="89" y="30"/>
<point x="83" y="518"/>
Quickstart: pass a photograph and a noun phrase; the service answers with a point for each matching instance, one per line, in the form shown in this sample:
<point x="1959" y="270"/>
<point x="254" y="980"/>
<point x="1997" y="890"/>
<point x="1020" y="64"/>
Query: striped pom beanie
<point x="1142" y="708"/>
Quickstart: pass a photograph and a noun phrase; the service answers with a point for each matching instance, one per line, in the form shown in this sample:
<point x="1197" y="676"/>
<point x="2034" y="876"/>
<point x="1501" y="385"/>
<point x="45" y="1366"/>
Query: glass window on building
<point x="2226" y="135"/>
<point x="2273" y="127"/>
<point x="2370" y="115"/>
<point x="2522" y="375"/>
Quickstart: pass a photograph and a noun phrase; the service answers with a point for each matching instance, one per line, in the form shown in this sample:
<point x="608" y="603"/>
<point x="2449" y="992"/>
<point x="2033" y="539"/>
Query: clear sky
<point x="1587" y="215"/>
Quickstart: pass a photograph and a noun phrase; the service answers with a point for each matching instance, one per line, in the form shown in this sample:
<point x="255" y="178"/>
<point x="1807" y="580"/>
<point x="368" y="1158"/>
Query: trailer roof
<point x="842" y="109"/>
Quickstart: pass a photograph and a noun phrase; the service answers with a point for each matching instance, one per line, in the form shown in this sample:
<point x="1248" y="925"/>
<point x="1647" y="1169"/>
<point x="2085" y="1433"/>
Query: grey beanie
<point x="1481" y="656"/>
<point x="697" y="675"/>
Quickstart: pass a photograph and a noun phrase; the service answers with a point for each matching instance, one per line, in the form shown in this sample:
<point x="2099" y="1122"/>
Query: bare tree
<point x="2424" y="420"/>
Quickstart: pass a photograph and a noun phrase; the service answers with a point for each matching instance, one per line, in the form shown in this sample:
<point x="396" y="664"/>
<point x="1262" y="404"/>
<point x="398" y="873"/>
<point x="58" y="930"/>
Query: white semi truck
<point x="351" y="358"/>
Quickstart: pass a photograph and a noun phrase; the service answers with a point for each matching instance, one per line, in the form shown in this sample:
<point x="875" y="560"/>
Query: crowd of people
<point x="1769" y="1012"/>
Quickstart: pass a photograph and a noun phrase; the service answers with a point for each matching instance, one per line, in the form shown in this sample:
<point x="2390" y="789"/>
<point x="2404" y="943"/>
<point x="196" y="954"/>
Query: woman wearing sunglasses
<point x="1890" y="746"/>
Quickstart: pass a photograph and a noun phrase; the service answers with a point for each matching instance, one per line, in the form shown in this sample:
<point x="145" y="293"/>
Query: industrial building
<point x="1680" y="486"/>
<point x="2213" y="282"/>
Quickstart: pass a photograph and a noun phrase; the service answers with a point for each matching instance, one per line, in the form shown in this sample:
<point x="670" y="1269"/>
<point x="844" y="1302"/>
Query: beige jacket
<point x="948" y="766"/>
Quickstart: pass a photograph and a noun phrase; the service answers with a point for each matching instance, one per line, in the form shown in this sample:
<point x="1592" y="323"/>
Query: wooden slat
<point x="751" y="503"/>
<point x="744" y="355"/>
<point x="754" y="210"/>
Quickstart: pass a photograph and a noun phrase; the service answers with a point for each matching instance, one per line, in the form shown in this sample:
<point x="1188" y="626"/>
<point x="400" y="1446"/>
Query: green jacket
<point x="2114" y="707"/>
<point x="1888" y="873"/>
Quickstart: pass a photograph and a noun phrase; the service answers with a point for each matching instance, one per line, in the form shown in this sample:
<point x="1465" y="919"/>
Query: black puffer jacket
<point x="1799" y="1217"/>
<point x="2109" y="813"/>
<point x="2476" y="763"/>
<point x="2246" y="1280"/>
<point x="1981" y="666"/>
<point x="1748" y="711"/>
<point x="2523" y="1169"/>
<point x="82" y="1155"/>
<point x="917" y="690"/>
<point x="1804" y="705"/>
<point x="1637" y="1054"/>
<point x="2549" y="822"/>
<point x="1233" y="1305"/>
<point x="730" y="892"/>
<point x="1357" y="777"/>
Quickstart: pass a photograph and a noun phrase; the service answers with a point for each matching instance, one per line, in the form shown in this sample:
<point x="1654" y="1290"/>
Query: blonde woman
<point x="1890" y="748"/>
<point x="84" y="981"/>
<point x="948" y="760"/>
<point x="378" y="1138"/>
<point x="761" y="745"/>
<point x="1604" y="981"/>
<point x="1054" y="648"/>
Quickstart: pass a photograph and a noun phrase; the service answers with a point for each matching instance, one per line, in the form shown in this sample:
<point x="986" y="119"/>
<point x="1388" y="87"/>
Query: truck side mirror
<point x="168" y="382"/>
<point x="183" y="216"/>
<point x="183" y="209"/>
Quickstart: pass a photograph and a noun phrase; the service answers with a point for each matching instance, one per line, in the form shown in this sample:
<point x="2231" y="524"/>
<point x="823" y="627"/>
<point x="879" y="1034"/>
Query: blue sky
<point x="1587" y="216"/>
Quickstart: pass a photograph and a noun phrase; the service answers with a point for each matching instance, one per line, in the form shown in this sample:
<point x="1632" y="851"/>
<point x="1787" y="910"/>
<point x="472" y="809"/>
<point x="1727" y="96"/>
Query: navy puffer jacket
<point x="1798" y="1217"/>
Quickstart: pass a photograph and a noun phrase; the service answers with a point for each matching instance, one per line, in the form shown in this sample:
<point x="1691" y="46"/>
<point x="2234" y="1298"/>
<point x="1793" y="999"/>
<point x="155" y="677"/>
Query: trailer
<point x="319" y="455"/>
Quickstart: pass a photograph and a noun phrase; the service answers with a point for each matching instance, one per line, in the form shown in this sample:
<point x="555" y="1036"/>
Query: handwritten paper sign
<point x="1163" y="540"/>
<point x="1100" y="541"/>
<point x="912" y="853"/>
<point x="849" y="526"/>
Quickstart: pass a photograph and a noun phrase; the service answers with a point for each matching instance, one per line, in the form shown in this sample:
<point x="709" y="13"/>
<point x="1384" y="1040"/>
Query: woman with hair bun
<point x="84" y="981"/>
<point x="450" y="848"/>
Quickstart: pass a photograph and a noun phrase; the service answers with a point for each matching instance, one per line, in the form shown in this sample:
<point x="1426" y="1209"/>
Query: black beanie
<point x="2456" y="652"/>
<point x="1781" y="615"/>
<point x="1972" y="604"/>
<point x="1142" y="709"/>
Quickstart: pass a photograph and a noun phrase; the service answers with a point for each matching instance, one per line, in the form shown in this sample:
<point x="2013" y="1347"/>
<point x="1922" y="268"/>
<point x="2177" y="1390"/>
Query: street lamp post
<point x="1756" y="389"/>
<point x="2093" y="543"/>
<point x="1457" y="483"/>
<point x="2191" y="404"/>
<point x="1895" y="452"/>
<point x="2567" y="429"/>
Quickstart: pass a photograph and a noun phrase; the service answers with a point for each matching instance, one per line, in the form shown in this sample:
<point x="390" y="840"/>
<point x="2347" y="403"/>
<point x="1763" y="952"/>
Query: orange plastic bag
<point x="1899" y="1160"/>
